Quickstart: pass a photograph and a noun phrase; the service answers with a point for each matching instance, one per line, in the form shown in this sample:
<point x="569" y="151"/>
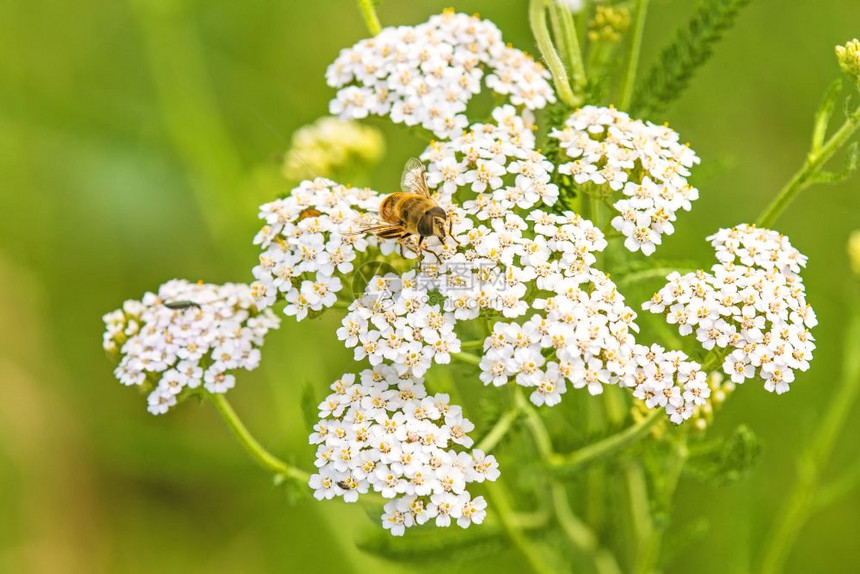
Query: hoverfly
<point x="412" y="211"/>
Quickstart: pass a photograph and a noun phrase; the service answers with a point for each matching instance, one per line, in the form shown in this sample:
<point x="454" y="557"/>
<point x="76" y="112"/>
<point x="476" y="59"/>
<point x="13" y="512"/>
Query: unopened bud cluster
<point x="329" y="147"/>
<point x="848" y="56"/>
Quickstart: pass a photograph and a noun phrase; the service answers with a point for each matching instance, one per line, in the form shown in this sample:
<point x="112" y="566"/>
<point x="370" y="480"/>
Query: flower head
<point x="381" y="431"/>
<point x="751" y="303"/>
<point x="309" y="241"/>
<point x="613" y="152"/>
<point x="425" y="75"/>
<point x="186" y="336"/>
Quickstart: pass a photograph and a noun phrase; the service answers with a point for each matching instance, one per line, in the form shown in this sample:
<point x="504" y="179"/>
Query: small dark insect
<point x="343" y="484"/>
<point x="181" y="304"/>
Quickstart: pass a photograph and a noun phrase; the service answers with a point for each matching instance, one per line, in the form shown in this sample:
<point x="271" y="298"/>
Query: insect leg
<point x="450" y="229"/>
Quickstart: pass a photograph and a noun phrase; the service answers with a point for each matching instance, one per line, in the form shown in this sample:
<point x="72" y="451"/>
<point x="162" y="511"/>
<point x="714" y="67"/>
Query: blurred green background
<point x="137" y="139"/>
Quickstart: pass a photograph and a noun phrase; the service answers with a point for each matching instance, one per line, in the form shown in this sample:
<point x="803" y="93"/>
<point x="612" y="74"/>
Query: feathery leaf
<point x="693" y="45"/>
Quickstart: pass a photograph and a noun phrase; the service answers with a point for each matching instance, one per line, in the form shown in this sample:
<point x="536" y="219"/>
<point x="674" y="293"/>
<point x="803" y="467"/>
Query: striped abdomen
<point x="405" y="209"/>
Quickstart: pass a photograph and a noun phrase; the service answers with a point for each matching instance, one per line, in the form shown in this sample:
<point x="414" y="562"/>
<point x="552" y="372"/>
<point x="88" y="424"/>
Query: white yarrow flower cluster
<point x="383" y="432"/>
<point x="394" y="321"/>
<point x="495" y="165"/>
<point x="582" y="336"/>
<point x="185" y="336"/>
<point x="426" y="74"/>
<point x="752" y="302"/>
<point x="642" y="160"/>
<point x="668" y="380"/>
<point x="309" y="242"/>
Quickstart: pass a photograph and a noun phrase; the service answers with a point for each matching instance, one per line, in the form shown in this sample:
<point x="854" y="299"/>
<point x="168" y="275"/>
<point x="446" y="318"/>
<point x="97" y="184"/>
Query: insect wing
<point x="414" y="178"/>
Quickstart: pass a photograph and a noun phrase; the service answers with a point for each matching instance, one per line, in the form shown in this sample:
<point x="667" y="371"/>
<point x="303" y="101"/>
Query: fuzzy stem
<point x="569" y="40"/>
<point x="260" y="455"/>
<point x="568" y="463"/>
<point x="801" y="502"/>
<point x="368" y="12"/>
<point x="537" y="18"/>
<point x="814" y="162"/>
<point x="633" y="58"/>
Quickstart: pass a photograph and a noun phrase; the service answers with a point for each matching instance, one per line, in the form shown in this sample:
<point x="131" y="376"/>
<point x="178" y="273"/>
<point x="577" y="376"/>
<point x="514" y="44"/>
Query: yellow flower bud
<point x="329" y="147"/>
<point x="849" y="59"/>
<point x="609" y="24"/>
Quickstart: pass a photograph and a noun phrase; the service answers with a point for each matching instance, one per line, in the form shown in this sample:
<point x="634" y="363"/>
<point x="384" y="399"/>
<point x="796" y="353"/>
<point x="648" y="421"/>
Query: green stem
<point x="260" y="455"/>
<point x="801" y="503"/>
<point x="499" y="430"/>
<point x="648" y="274"/>
<point x="563" y="21"/>
<point x="577" y="532"/>
<point x="846" y="483"/>
<point x="814" y="162"/>
<point x="633" y="58"/>
<point x="666" y="485"/>
<point x="640" y="516"/>
<point x="467" y="358"/>
<point x="565" y="464"/>
<point x="368" y="12"/>
<point x="502" y="504"/>
<point x="469" y="345"/>
<point x="537" y="18"/>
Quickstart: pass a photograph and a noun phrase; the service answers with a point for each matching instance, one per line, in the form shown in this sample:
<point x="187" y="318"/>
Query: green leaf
<point x="848" y="168"/>
<point x="725" y="461"/>
<point x="824" y="113"/>
<point x="693" y="45"/>
<point x="431" y="544"/>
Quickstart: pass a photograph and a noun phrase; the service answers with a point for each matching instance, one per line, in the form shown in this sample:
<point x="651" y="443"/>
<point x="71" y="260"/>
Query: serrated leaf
<point x="435" y="544"/>
<point x="824" y="113"/>
<point x="725" y="461"/>
<point x="692" y="47"/>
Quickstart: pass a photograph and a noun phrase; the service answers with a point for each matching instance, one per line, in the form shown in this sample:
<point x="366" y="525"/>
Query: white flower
<point x="308" y="241"/>
<point x="751" y="302"/>
<point x="165" y="340"/>
<point x="427" y="74"/>
<point x="608" y="148"/>
<point x="383" y="432"/>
